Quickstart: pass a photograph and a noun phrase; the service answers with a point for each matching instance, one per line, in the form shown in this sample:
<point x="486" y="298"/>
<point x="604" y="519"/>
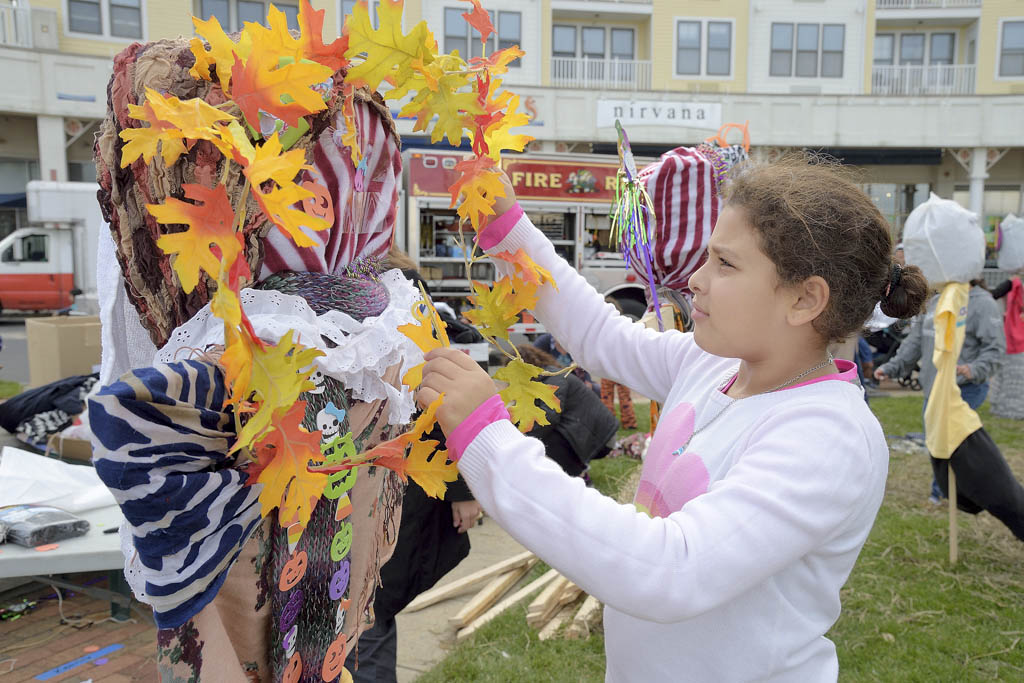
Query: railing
<point x="606" y="74"/>
<point x="15" y="24"/>
<point x="935" y="79"/>
<point x="927" y="4"/>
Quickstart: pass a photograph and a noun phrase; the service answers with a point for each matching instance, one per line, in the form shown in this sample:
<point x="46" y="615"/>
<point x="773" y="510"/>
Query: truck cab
<point x="36" y="271"/>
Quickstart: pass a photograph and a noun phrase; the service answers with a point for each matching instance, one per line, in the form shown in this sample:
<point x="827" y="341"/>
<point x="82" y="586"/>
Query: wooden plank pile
<point x="559" y="603"/>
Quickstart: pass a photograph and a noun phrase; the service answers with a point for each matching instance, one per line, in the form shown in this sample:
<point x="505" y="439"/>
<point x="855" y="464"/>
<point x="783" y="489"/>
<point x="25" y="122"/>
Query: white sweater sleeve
<point x="783" y="498"/>
<point x="598" y="338"/>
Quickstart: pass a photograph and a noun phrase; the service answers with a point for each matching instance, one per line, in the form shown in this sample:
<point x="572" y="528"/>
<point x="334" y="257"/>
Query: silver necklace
<point x="819" y="366"/>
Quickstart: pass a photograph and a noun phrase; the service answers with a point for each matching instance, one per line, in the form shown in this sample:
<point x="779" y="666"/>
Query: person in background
<point x="983" y="348"/>
<point x="432" y="540"/>
<point x="583" y="429"/>
<point x="609" y="389"/>
<point x="1007" y="398"/>
<point x="548" y="345"/>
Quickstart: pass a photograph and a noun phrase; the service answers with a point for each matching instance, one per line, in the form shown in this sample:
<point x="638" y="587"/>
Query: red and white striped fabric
<point x="364" y="222"/>
<point x="684" y="192"/>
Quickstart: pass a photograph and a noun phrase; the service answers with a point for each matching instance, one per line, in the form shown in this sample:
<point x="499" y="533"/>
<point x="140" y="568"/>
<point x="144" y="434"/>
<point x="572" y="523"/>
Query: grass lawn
<point x="8" y="388"/>
<point x="907" y="615"/>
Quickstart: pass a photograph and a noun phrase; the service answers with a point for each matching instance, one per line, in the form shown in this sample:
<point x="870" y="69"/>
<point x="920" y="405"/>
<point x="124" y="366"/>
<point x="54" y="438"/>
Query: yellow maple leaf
<point x="146" y="142"/>
<point x="438" y="85"/>
<point x="269" y="162"/>
<point x="211" y="223"/>
<point x="430" y="468"/>
<point x="498" y="135"/>
<point x="388" y="52"/>
<point x="425" y="422"/>
<point x="282" y="467"/>
<point x="498" y="307"/>
<point x="279" y="207"/>
<point x="279" y="373"/>
<point x="221" y="52"/>
<point x="522" y="393"/>
<point x="196" y="119"/>
<point x="422" y="333"/>
<point x="527" y="267"/>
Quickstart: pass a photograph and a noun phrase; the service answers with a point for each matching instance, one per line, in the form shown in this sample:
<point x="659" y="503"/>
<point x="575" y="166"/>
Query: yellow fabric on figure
<point x="948" y="420"/>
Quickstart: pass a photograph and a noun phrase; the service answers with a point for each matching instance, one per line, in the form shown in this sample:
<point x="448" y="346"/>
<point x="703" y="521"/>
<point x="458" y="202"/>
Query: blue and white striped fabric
<point x="160" y="441"/>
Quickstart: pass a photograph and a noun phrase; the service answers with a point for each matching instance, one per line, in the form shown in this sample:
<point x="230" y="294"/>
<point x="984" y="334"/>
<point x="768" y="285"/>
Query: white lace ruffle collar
<point x="364" y="352"/>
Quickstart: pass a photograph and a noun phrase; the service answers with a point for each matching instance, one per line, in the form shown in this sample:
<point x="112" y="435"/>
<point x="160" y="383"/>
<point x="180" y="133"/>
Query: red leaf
<point x="480" y="20"/>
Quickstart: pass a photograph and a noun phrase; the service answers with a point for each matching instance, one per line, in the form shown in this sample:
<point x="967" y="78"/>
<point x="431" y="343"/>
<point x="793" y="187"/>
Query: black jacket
<point x="583" y="421"/>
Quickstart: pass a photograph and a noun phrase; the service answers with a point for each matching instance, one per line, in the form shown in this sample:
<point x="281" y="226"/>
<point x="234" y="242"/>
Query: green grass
<point x="907" y="615"/>
<point x="8" y="388"/>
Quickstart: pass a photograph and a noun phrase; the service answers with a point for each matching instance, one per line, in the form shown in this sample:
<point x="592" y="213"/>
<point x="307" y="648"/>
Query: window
<point x="941" y="48"/>
<point x="884" y="44"/>
<point x="912" y="48"/>
<point x="510" y="31"/>
<point x="1011" y="53"/>
<point x="782" y="50"/>
<point x="232" y="14"/>
<point x="459" y="35"/>
<point x="833" y="39"/>
<point x="807" y="50"/>
<point x="622" y="43"/>
<point x="688" y="48"/>
<point x="719" y="48"/>
<point x="593" y="42"/>
<point x="33" y="248"/>
<point x="123" y="18"/>
<point x="563" y="41"/>
<point x="456" y="32"/>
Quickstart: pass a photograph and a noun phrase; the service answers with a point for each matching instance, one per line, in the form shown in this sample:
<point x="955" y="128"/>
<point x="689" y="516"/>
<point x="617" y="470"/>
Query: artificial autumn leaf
<point x="480" y="20"/>
<point x="196" y="119"/>
<point x="479" y="185"/>
<point x="145" y="142"/>
<point x="494" y="312"/>
<point x="454" y="109"/>
<point x="311" y="25"/>
<point x="279" y="207"/>
<point x="428" y="332"/>
<point x="497" y="62"/>
<point x="522" y="392"/>
<point x="425" y="422"/>
<point x="269" y="162"/>
<point x="286" y="92"/>
<point x="221" y="53"/>
<point x="239" y="347"/>
<point x="283" y="458"/>
<point x="388" y="52"/>
<point x="498" y="135"/>
<point x="350" y="137"/>
<point x="526" y="267"/>
<point x="210" y="221"/>
<point x="431" y="473"/>
<point x="279" y="373"/>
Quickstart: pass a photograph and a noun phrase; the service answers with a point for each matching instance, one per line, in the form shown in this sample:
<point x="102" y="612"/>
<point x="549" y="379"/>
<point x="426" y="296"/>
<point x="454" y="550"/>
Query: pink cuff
<point x="495" y="231"/>
<point x="490" y="411"/>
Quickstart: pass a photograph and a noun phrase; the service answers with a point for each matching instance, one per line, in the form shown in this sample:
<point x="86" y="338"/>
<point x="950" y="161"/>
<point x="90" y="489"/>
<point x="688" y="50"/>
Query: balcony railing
<point x="927" y="4"/>
<point x="935" y="79"/>
<point x="15" y="25"/>
<point x="607" y="74"/>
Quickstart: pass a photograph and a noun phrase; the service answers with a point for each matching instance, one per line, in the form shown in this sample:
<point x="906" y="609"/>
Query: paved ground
<point x="14" y="355"/>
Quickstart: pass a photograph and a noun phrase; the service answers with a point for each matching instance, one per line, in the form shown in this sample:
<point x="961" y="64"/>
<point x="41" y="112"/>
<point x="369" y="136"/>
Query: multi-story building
<point x="924" y="94"/>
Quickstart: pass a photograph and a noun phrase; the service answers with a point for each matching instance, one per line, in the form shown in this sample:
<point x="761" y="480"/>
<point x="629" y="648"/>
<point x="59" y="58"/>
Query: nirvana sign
<point x="659" y="113"/>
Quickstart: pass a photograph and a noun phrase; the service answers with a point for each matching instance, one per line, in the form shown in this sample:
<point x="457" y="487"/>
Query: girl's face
<point x="739" y="307"/>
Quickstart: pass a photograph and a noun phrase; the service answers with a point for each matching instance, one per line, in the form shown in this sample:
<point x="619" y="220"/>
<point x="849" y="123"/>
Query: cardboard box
<point x="62" y="346"/>
<point x="70" y="449"/>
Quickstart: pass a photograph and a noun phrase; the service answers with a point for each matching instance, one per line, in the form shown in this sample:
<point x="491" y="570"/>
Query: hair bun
<point x="905" y="292"/>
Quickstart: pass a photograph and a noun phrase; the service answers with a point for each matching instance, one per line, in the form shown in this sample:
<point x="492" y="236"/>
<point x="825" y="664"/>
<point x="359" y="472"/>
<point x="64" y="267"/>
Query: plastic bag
<point x="945" y="241"/>
<point x="32" y="525"/>
<point x="1011" y="252"/>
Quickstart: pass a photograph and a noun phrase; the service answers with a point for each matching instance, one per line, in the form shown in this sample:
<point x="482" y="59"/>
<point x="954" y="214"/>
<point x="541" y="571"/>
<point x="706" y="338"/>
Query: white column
<point x="979" y="172"/>
<point x="53" y="158"/>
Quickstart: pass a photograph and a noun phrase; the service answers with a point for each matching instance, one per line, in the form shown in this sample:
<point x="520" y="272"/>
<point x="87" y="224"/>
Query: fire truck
<point x="566" y="197"/>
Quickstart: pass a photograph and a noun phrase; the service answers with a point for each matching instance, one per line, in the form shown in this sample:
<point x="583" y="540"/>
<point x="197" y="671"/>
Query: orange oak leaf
<point x="283" y="459"/>
<point x="388" y="52"/>
<point x="211" y="223"/>
<point x="219" y="51"/>
<point x="311" y="24"/>
<point x="480" y="20"/>
<point x="497" y="63"/>
<point x="286" y="92"/>
<point x="478" y="186"/>
<point x="522" y="393"/>
<point x="526" y="267"/>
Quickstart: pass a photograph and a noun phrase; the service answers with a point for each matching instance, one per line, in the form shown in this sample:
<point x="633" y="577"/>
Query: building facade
<point x="925" y="95"/>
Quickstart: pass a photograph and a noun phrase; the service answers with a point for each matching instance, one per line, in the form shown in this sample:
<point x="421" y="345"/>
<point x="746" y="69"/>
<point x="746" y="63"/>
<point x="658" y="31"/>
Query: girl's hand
<point x="503" y="204"/>
<point x="464" y="383"/>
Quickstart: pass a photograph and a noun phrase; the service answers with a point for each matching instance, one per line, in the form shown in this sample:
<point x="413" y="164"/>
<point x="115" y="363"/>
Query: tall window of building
<point x="563" y="41"/>
<point x="782" y="50"/>
<point x="719" y="48"/>
<point x="833" y="39"/>
<point x="912" y="48"/>
<point x="593" y="42"/>
<point x="623" y="43"/>
<point x="884" y="44"/>
<point x="807" y="50"/>
<point x="510" y="30"/>
<point x="456" y="32"/>
<point x="123" y="17"/>
<point x="688" y="48"/>
<point x="940" y="49"/>
<point x="232" y="14"/>
<point x="1011" y="49"/>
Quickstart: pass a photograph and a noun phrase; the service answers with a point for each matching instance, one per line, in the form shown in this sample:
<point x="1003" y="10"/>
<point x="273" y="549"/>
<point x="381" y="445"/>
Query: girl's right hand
<point x="503" y="204"/>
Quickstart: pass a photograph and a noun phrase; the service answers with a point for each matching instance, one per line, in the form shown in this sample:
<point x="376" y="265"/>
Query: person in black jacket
<point x="583" y="429"/>
<point x="432" y="540"/>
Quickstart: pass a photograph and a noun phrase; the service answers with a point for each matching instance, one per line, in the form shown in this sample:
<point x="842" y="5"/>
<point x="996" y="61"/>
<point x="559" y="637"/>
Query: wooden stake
<point x="588" y="615"/>
<point x="546" y="604"/>
<point x="954" y="550"/>
<point x="490" y="595"/>
<point x="435" y="595"/>
<point x="551" y="628"/>
<point x="511" y="600"/>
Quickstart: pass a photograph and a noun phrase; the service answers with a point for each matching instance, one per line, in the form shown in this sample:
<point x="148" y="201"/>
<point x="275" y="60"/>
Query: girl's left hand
<point x="464" y="383"/>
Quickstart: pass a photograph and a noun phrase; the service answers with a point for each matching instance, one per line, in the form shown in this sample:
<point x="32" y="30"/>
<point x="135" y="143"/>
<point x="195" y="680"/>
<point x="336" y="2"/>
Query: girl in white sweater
<point x="766" y="470"/>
